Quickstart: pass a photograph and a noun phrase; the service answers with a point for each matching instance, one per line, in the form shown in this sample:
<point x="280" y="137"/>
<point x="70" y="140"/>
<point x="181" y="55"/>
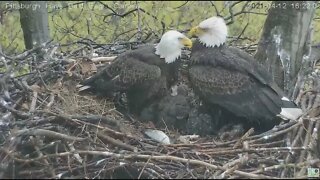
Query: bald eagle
<point x="229" y="78"/>
<point x="144" y="74"/>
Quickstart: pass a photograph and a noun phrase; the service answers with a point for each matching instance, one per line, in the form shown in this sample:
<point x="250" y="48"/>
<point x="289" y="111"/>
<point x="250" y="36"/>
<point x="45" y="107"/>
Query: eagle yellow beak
<point x="195" y="31"/>
<point x="186" y="42"/>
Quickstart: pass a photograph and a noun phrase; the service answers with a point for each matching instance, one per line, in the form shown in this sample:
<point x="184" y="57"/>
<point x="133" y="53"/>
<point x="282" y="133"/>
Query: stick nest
<point x="49" y="130"/>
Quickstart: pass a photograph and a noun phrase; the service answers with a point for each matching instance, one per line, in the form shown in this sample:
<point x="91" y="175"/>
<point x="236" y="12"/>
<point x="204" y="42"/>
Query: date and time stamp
<point x="254" y="5"/>
<point x="284" y="5"/>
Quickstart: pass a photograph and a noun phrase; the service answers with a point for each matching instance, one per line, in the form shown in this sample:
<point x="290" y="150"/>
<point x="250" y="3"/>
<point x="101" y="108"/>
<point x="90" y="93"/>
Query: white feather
<point x="169" y="46"/>
<point x="174" y="90"/>
<point x="290" y="113"/>
<point x="158" y="136"/>
<point x="216" y="33"/>
<point x="82" y="88"/>
<point x="285" y="99"/>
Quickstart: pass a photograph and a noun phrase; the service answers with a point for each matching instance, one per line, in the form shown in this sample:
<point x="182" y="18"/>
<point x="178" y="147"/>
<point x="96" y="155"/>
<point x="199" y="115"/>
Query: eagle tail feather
<point x="83" y="87"/>
<point x="289" y="110"/>
<point x="290" y="113"/>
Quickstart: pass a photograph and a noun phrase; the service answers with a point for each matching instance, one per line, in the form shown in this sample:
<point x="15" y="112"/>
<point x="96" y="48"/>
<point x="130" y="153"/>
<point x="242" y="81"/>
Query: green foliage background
<point x="71" y="21"/>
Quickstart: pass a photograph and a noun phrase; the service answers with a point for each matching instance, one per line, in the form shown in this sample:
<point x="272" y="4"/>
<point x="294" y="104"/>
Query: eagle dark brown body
<point x="228" y="78"/>
<point x="140" y="73"/>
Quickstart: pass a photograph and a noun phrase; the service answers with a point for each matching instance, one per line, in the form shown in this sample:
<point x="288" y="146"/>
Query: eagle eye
<point x="205" y="29"/>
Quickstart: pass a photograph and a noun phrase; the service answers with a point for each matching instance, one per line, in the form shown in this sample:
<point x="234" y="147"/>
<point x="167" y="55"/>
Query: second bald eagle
<point x="229" y="78"/>
<point x="144" y="74"/>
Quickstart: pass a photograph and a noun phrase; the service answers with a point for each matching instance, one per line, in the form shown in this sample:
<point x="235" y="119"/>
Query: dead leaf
<point x="87" y="67"/>
<point x="71" y="65"/>
<point x="25" y="106"/>
<point x="69" y="73"/>
<point x="14" y="130"/>
<point x="315" y="112"/>
<point x="58" y="84"/>
<point x="71" y="61"/>
<point x="35" y="88"/>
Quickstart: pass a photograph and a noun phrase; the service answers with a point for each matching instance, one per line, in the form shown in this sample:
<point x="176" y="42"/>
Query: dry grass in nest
<point x="73" y="103"/>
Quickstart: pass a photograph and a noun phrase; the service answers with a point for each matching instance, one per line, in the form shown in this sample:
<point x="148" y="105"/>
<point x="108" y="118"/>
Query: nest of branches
<point x="48" y="130"/>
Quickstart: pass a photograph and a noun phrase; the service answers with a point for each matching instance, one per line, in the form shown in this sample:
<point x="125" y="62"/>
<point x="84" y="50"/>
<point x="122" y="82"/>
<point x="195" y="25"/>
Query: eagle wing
<point x="241" y="60"/>
<point x="235" y="91"/>
<point x="232" y="79"/>
<point x="122" y="74"/>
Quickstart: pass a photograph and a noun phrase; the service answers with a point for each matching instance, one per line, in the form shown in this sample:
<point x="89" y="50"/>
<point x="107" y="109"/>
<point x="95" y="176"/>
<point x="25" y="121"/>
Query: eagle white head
<point x="171" y="44"/>
<point x="211" y="32"/>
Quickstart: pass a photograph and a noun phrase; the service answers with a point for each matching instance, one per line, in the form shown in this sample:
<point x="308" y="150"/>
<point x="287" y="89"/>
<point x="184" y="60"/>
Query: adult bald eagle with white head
<point x="144" y="74"/>
<point x="229" y="78"/>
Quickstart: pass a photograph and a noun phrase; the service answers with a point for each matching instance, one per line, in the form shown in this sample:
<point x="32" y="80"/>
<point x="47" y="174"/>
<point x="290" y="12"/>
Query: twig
<point x="240" y="160"/>
<point x="234" y="151"/>
<point x="181" y="5"/>
<point x="288" y="158"/>
<point x="241" y="33"/>
<point x="117" y="142"/>
<point x="232" y="15"/>
<point x="273" y="143"/>
<point x="306" y="140"/>
<point x="96" y="118"/>
<point x="12" y="110"/>
<point x="275" y="134"/>
<point x="275" y="129"/>
<point x="116" y="133"/>
<point x="26" y="53"/>
<point x="103" y="59"/>
<point x="76" y="155"/>
<point x="315" y="138"/>
<point x="114" y="13"/>
<point x="40" y="154"/>
<point x="44" y="132"/>
<point x="139" y="156"/>
<point x="89" y="118"/>
<point x="34" y="101"/>
<point x="51" y="100"/>
<point x="281" y="166"/>
<point x="215" y="8"/>
<point x="145" y="165"/>
<point x="246" y="135"/>
<point x="139" y="22"/>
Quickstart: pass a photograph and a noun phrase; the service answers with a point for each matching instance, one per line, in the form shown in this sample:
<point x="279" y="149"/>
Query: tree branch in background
<point x="215" y="8"/>
<point x="139" y="22"/>
<point x="241" y="33"/>
<point x="181" y="5"/>
<point x="232" y="14"/>
<point x="114" y="13"/>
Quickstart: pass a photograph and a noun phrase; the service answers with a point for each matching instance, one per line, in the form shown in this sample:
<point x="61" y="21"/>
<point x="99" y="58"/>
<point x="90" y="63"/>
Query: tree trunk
<point x="34" y="22"/>
<point x="285" y="41"/>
